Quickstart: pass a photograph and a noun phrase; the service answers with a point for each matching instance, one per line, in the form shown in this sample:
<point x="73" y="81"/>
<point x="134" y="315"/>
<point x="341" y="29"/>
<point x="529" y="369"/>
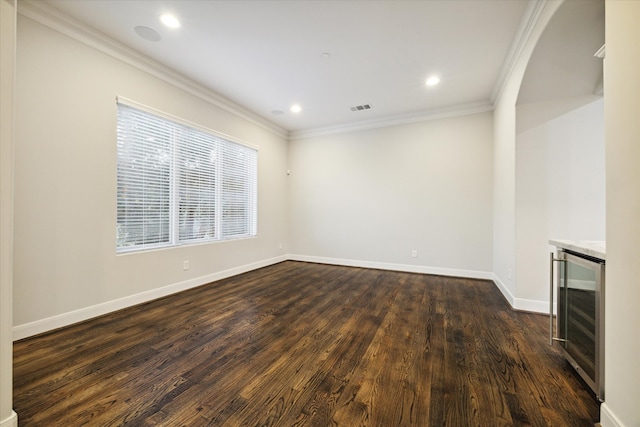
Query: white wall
<point x="560" y="193"/>
<point x="66" y="265"/>
<point x="8" y="418"/>
<point x="504" y="239"/>
<point x="622" y="123"/>
<point x="504" y="161"/>
<point x="373" y="196"/>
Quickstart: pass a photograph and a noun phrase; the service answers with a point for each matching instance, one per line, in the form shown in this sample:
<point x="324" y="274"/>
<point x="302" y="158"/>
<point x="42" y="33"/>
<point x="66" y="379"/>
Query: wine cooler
<point x="579" y="314"/>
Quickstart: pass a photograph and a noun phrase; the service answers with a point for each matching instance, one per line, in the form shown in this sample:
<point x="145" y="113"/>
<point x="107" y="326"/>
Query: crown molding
<point x="51" y="17"/>
<point x="440" y="113"/>
<point x="527" y="24"/>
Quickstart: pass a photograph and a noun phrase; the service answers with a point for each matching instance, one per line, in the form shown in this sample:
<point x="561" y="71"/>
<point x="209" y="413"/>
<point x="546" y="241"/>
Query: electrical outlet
<point x="280" y="246"/>
<point x="185" y="265"/>
<point x="414" y="253"/>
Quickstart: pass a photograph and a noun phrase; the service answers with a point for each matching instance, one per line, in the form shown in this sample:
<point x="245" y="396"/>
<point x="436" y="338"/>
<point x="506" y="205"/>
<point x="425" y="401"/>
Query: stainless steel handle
<point x="552" y="259"/>
<point x="551" y="301"/>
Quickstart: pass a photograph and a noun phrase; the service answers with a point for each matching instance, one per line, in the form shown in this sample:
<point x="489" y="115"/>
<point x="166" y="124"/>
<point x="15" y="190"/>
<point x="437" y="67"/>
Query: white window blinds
<point x="178" y="184"/>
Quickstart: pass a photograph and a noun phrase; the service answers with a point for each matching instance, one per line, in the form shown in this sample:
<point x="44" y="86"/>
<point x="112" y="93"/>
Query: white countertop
<point x="594" y="248"/>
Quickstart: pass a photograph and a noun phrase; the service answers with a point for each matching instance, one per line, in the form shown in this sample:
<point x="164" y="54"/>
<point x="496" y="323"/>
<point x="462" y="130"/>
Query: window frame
<point x="222" y="143"/>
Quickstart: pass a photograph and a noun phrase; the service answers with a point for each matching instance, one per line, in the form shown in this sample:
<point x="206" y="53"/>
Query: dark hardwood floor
<point x="299" y="344"/>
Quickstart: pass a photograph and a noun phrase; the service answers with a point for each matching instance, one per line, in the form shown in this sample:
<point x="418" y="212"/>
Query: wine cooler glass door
<point x="579" y="296"/>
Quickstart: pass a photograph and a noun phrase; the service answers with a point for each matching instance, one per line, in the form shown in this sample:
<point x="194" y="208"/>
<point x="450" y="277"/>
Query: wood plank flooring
<point x="300" y="344"/>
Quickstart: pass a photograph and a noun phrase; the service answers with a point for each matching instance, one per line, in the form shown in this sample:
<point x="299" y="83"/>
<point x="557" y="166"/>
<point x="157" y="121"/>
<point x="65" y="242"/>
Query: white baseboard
<point x="10" y="421"/>
<point x="504" y="290"/>
<point x="531" y="305"/>
<point x="66" y="319"/>
<point x="521" y="304"/>
<point x="69" y="318"/>
<point x="472" y="274"/>
<point x="608" y="418"/>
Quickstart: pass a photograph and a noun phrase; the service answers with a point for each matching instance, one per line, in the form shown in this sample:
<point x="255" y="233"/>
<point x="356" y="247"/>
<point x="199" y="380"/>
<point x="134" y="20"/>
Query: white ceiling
<point x="563" y="64"/>
<point x="563" y="74"/>
<point x="267" y="55"/>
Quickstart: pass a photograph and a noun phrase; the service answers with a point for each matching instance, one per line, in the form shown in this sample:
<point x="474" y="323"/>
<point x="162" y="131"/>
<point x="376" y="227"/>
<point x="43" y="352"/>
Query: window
<point x="179" y="184"/>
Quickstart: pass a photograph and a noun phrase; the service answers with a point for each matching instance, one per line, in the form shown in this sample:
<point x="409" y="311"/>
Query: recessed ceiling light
<point x="433" y="80"/>
<point x="147" y="33"/>
<point x="170" y="21"/>
<point x="295" y="108"/>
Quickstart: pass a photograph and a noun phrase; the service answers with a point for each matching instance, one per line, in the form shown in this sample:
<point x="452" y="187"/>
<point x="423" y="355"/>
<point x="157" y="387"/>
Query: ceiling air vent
<point x="361" y="107"/>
